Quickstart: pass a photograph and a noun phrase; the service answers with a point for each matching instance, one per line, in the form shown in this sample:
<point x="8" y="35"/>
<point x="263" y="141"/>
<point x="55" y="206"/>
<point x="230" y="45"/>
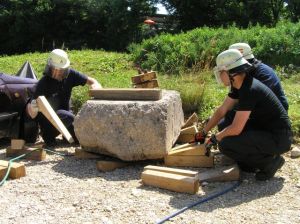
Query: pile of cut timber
<point x="145" y="80"/>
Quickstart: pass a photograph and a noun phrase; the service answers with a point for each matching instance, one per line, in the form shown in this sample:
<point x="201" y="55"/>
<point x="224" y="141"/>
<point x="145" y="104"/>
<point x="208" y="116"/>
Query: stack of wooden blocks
<point x="145" y="80"/>
<point x="187" y="155"/>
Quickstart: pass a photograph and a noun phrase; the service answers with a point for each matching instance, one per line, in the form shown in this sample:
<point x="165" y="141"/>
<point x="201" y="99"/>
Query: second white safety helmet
<point x="244" y="48"/>
<point x="231" y="61"/>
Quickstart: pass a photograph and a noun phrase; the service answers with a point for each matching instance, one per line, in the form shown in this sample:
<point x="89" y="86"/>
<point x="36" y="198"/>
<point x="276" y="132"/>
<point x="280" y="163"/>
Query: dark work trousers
<point x="49" y="132"/>
<point x="256" y="148"/>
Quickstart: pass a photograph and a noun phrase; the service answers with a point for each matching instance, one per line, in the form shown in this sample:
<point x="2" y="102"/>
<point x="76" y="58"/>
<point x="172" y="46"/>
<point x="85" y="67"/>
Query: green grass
<point x="199" y="91"/>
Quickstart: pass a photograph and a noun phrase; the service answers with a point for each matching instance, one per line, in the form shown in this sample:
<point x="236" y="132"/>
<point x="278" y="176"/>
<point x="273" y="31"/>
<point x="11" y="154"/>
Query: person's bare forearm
<point x="214" y="120"/>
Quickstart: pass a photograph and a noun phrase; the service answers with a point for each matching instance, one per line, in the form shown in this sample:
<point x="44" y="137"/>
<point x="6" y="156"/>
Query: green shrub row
<point x="197" y="49"/>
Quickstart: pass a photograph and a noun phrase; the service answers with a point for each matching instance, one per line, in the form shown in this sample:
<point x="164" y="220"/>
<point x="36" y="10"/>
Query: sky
<point x="161" y="9"/>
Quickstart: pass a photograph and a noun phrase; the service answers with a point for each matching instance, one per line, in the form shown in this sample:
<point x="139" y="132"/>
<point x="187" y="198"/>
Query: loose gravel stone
<point x="69" y="190"/>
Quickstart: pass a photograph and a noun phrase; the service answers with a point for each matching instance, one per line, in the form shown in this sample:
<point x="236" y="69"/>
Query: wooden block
<point x="188" y="173"/>
<point x="143" y="77"/>
<point x="46" y="109"/>
<point x="126" y="94"/>
<point x="170" y="181"/>
<point x="187" y="134"/>
<point x="191" y="161"/>
<point x="185" y="138"/>
<point x="105" y="166"/>
<point x="189" y="130"/>
<point x="191" y="120"/>
<point x="17" y="143"/>
<point x="229" y="173"/>
<point x="194" y="150"/>
<point x="148" y="84"/>
<point x="34" y="154"/>
<point x="17" y="170"/>
<point x="82" y="154"/>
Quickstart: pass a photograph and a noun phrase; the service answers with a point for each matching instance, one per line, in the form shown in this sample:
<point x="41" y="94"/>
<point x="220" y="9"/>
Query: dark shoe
<point x="247" y="168"/>
<point x="269" y="171"/>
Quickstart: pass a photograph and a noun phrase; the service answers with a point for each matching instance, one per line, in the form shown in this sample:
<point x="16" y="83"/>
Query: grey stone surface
<point x="130" y="130"/>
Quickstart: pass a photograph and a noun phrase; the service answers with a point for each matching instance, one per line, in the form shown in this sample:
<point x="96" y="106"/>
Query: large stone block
<point x="130" y="130"/>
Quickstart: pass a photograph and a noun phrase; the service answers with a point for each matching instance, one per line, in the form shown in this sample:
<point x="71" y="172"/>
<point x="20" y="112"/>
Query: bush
<point x="197" y="49"/>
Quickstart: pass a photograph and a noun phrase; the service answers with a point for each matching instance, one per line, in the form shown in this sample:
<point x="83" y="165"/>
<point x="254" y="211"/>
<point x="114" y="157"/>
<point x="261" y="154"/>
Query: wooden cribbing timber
<point x="145" y="80"/>
<point x="126" y="94"/>
<point x="106" y="166"/>
<point x="221" y="174"/>
<point x="37" y="154"/>
<point x="187" y="134"/>
<point x="17" y="170"/>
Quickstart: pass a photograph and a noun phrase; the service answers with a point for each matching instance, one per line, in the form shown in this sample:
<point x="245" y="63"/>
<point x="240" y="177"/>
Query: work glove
<point x="212" y="141"/>
<point x="34" y="106"/>
<point x="200" y="137"/>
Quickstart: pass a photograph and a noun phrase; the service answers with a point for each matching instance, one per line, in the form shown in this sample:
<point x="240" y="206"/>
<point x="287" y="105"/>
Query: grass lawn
<point x="199" y="92"/>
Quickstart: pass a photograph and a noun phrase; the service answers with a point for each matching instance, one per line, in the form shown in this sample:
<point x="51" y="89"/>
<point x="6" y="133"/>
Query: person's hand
<point x="212" y="141"/>
<point x="32" y="109"/>
<point x="200" y="137"/>
<point x="96" y="85"/>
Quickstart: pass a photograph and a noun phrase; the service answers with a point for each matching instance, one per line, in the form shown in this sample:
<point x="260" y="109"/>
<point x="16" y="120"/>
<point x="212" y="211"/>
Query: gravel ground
<point x="68" y="190"/>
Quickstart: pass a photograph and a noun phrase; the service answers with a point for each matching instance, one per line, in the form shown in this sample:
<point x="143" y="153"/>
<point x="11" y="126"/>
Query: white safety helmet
<point x="58" y="59"/>
<point x="231" y="61"/>
<point x="244" y="48"/>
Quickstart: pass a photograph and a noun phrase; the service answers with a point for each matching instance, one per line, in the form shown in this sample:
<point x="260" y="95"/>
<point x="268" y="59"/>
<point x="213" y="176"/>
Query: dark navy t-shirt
<point x="267" y="76"/>
<point x="267" y="113"/>
<point x="58" y="93"/>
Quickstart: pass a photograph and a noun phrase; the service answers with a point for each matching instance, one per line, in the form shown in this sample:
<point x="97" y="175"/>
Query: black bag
<point x="15" y="92"/>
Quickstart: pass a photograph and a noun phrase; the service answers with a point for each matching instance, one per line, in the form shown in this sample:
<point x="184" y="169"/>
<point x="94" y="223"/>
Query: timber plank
<point x="183" y="172"/>
<point x="228" y="173"/>
<point x="187" y="134"/>
<point x="34" y="154"/>
<point x="126" y="94"/>
<point x="46" y="109"/>
<point x="17" y="170"/>
<point x="170" y="181"/>
<point x="189" y="161"/>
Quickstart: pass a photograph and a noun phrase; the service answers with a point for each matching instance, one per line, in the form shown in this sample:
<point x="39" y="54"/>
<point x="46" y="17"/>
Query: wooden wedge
<point x="17" y="170"/>
<point x="228" y="173"/>
<point x="170" y="181"/>
<point x="126" y="94"/>
<point x="194" y="150"/>
<point x="191" y="120"/>
<point x="46" y="109"/>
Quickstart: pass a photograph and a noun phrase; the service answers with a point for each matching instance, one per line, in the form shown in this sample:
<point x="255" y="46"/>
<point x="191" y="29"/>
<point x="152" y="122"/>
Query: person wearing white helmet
<point x="262" y="72"/>
<point x="56" y="85"/>
<point x="260" y="131"/>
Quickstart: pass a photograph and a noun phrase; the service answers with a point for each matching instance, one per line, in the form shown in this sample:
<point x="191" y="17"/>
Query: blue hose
<point x="200" y="202"/>
<point x="21" y="156"/>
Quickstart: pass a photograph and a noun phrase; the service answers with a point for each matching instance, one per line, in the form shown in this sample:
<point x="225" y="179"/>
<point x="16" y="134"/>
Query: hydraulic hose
<point x="200" y="202"/>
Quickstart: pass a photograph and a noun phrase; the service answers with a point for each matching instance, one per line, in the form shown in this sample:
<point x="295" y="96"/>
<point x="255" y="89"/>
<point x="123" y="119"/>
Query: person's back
<point x="263" y="73"/>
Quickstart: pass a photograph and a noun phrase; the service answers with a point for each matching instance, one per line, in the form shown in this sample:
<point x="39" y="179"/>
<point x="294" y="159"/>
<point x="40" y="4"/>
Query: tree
<point x="293" y="7"/>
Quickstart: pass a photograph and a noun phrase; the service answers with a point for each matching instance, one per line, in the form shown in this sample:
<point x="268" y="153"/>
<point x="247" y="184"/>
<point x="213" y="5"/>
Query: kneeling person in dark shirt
<point x="56" y="85"/>
<point x="261" y="130"/>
